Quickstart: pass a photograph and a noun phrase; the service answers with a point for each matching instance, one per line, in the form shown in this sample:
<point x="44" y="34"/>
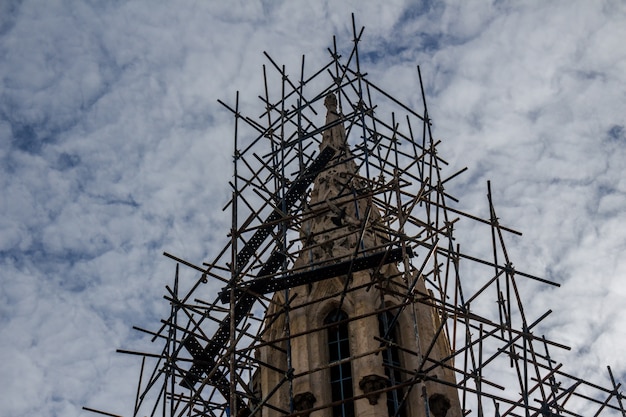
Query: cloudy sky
<point x="113" y="149"/>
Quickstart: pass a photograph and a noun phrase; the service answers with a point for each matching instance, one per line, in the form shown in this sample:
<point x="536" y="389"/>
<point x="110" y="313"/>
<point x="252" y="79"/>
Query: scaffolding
<point x="208" y="359"/>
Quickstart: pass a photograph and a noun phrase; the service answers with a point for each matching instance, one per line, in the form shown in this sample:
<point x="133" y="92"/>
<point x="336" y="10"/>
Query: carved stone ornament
<point x="304" y="401"/>
<point x="370" y="384"/>
<point x="439" y="405"/>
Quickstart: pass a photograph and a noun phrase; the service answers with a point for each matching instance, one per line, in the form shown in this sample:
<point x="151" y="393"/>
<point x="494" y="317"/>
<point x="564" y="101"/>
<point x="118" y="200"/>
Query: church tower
<point x="354" y="337"/>
<point x="351" y="282"/>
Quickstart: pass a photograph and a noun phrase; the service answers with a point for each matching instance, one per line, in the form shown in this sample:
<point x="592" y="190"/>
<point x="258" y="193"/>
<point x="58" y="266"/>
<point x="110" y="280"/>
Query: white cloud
<point x="113" y="149"/>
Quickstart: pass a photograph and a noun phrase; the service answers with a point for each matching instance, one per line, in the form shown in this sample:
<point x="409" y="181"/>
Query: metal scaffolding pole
<point x="388" y="218"/>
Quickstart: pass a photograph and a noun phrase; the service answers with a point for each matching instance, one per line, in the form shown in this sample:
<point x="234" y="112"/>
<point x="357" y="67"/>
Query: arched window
<point x="391" y="362"/>
<point x="341" y="373"/>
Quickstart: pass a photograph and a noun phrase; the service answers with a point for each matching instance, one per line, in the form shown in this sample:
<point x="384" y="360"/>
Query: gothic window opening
<point x="391" y="362"/>
<point x="341" y="373"/>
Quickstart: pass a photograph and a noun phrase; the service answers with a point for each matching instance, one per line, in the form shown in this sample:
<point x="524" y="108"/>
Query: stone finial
<point x="331" y="102"/>
<point x="335" y="136"/>
<point x="369" y="384"/>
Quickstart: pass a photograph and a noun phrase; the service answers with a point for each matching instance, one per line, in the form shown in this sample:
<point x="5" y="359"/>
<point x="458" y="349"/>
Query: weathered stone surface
<point x="343" y="221"/>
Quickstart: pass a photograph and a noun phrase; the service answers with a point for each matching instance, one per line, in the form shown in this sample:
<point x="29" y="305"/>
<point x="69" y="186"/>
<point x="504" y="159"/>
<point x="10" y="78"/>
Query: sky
<point x="114" y="149"/>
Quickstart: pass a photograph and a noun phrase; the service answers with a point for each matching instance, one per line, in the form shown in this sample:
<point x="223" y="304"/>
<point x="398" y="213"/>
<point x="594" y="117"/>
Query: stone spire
<point x="336" y="135"/>
<point x="343" y="223"/>
<point x="339" y="193"/>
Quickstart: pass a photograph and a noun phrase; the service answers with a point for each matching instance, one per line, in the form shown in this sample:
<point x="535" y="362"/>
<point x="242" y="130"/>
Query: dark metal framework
<point x="503" y="366"/>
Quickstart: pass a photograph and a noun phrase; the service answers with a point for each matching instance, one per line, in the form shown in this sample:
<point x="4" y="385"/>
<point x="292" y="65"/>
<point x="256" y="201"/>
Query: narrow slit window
<point x="391" y="362"/>
<point x="341" y="373"/>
